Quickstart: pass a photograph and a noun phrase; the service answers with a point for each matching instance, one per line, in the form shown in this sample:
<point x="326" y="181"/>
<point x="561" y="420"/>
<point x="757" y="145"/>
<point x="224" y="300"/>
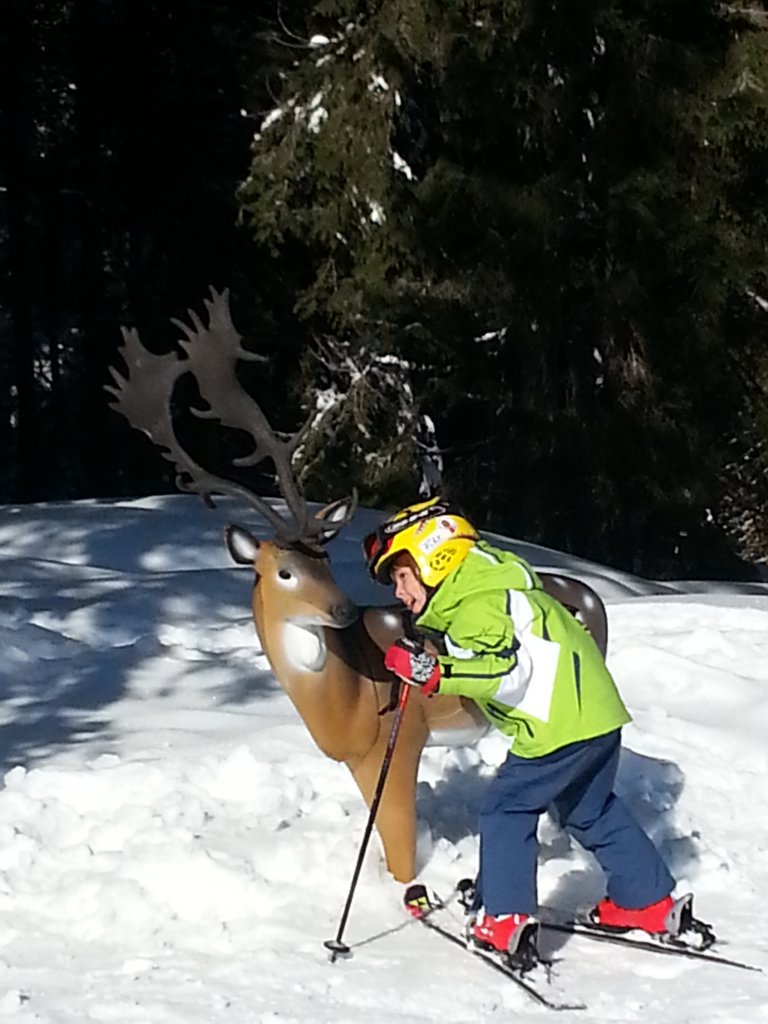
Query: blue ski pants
<point x="577" y="781"/>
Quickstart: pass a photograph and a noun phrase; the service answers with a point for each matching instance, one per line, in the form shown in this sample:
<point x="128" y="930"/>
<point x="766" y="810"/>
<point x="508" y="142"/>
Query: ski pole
<point x="336" y="946"/>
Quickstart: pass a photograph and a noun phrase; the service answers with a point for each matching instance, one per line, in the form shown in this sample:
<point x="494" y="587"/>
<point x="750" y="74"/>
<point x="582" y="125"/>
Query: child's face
<point x="408" y="586"/>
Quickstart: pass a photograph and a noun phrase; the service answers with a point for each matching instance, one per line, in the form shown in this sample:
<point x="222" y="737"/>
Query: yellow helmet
<point x="435" y="537"/>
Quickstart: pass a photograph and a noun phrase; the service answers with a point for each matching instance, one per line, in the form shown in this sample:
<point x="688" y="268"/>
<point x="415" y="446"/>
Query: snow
<point x="174" y="850"/>
<point x="402" y="166"/>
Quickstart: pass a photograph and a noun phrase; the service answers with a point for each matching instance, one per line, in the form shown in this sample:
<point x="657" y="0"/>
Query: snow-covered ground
<point x="174" y="850"/>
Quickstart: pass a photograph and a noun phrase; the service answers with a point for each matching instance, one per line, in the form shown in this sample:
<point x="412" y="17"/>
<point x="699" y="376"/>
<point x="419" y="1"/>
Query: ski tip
<point x="337" y="949"/>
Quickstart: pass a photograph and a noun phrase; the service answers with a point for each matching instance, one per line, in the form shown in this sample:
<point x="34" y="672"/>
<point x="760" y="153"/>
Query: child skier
<point x="539" y="678"/>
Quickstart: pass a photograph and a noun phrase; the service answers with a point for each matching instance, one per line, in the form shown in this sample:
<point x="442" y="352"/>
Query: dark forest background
<point x="533" y="233"/>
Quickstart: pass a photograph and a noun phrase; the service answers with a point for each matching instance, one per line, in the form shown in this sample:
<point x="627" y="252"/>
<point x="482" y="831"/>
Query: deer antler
<point x="144" y="397"/>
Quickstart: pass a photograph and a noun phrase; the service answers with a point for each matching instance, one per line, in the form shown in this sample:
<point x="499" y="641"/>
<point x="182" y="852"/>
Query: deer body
<point x="324" y="651"/>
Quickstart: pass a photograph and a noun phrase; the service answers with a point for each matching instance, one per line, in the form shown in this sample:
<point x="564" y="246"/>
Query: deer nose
<point x="344" y="613"/>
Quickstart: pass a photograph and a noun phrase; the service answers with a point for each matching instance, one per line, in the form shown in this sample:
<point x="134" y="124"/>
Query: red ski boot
<point x="669" y="921"/>
<point x="651" y="919"/>
<point x="515" y="935"/>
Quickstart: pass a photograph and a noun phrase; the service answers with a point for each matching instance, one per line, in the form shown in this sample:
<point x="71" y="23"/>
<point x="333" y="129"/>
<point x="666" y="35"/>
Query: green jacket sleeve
<point x="481" y="647"/>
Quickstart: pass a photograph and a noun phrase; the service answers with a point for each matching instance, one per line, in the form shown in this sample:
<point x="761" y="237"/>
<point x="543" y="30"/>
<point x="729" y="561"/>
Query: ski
<point x="528" y="981"/>
<point x="590" y="931"/>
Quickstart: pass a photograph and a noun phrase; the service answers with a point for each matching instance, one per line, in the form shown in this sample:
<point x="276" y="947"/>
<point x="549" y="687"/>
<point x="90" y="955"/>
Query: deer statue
<point x="325" y="652"/>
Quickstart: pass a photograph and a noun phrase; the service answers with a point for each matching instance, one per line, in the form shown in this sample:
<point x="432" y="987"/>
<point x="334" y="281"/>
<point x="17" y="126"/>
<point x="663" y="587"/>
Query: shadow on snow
<point x="104" y="601"/>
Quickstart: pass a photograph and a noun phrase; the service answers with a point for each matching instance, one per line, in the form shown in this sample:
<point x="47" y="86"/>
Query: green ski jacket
<point x="530" y="666"/>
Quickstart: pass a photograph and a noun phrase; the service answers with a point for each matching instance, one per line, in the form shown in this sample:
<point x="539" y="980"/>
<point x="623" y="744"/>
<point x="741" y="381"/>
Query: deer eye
<point x="287" y="579"/>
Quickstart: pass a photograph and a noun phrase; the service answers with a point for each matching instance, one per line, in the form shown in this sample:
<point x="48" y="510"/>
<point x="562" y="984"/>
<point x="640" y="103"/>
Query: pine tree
<point x="552" y="212"/>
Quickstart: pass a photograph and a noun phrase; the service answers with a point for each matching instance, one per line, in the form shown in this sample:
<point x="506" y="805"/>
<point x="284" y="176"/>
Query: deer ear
<point x="242" y="545"/>
<point x="336" y="515"/>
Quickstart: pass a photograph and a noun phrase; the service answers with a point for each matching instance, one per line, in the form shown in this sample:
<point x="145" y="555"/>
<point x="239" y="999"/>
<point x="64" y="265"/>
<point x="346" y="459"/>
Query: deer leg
<point x="396" y="816"/>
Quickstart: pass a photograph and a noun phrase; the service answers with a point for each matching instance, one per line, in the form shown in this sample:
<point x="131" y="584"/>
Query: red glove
<point x="414" y="665"/>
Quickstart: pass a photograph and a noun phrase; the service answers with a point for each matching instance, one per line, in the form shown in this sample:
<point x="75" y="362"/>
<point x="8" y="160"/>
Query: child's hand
<point x="408" y="659"/>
